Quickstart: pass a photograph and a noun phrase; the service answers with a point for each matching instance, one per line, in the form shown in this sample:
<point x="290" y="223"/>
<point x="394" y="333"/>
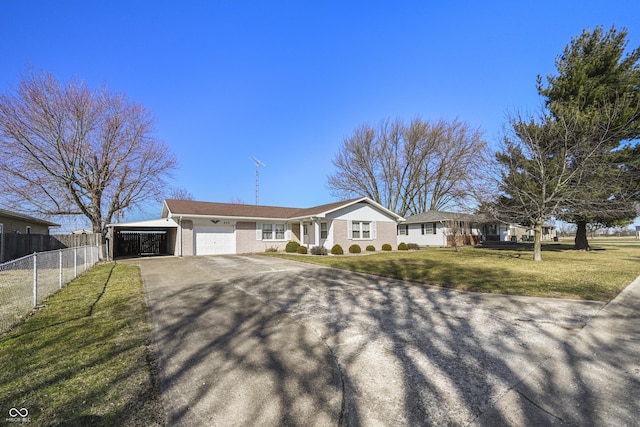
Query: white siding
<point x="360" y="212"/>
<point x="415" y="235"/>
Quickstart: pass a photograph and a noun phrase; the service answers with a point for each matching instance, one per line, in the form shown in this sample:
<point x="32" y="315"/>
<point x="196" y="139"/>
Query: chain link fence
<point x="26" y="282"/>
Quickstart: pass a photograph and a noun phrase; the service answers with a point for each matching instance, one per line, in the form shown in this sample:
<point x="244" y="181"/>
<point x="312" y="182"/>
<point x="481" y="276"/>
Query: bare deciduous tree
<point x="180" y="193"/>
<point x="459" y="230"/>
<point x="70" y="150"/>
<point x="410" y="168"/>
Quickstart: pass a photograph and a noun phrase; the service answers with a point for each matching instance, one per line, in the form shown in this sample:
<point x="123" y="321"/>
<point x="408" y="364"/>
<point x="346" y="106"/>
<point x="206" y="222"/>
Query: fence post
<point x="60" y="263"/>
<point x="75" y="262"/>
<point x="84" y="260"/>
<point x="35" y="279"/>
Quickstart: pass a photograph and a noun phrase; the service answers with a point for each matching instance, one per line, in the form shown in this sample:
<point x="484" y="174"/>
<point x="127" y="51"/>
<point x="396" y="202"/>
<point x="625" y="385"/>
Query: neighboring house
<point x="501" y="232"/>
<point x="437" y="228"/>
<point x="12" y="223"/>
<point x="205" y="228"/>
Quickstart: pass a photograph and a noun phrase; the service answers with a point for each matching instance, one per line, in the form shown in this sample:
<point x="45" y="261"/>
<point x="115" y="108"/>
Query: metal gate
<point x="135" y="243"/>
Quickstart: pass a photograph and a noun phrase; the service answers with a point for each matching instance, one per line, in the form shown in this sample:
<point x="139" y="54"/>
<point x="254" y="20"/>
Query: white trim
<point x="356" y="201"/>
<point x="155" y="223"/>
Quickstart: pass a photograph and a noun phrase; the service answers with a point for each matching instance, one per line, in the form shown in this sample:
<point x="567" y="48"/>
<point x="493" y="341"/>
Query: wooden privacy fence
<point x="13" y="246"/>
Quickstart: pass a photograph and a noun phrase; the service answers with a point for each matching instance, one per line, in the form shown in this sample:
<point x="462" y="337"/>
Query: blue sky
<point x="287" y="81"/>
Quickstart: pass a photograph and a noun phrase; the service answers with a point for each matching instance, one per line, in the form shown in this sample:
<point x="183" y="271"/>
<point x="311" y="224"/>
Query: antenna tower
<point x="258" y="164"/>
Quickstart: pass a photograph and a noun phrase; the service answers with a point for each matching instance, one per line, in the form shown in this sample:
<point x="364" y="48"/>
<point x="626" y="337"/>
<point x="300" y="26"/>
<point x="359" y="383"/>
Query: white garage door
<point x="215" y="240"/>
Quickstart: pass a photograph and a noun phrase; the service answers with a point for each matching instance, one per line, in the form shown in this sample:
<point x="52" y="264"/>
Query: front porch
<point x="314" y="232"/>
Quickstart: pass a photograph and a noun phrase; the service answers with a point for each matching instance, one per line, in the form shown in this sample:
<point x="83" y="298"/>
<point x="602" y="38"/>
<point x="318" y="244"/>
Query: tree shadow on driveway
<point x="281" y="343"/>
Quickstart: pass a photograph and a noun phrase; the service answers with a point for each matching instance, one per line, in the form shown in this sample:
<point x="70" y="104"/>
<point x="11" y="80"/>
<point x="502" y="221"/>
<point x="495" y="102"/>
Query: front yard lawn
<point x="596" y="275"/>
<point x="84" y="358"/>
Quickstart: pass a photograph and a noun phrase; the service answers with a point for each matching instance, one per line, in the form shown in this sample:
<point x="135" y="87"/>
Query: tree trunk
<point x="581" y="242"/>
<point x="537" y="241"/>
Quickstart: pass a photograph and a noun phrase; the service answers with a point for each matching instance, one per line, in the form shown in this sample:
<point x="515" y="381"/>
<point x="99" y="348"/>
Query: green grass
<point x="84" y="358"/>
<point x="564" y="273"/>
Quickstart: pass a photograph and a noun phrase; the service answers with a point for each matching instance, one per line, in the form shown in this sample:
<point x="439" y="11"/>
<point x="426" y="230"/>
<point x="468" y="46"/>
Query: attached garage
<point x="214" y="240"/>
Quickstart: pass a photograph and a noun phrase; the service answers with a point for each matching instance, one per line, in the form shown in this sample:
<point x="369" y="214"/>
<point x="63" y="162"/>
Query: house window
<point x="267" y="231"/>
<point x="403" y="230"/>
<point x="273" y="231"/>
<point x="28" y="229"/>
<point x="366" y="230"/>
<point x="323" y="230"/>
<point x="429" y="228"/>
<point x="361" y="229"/>
<point x="355" y="230"/>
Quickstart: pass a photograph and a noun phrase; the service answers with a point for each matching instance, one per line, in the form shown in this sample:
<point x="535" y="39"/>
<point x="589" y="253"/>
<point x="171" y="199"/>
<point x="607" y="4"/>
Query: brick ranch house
<point x="438" y="228"/>
<point x="189" y="228"/>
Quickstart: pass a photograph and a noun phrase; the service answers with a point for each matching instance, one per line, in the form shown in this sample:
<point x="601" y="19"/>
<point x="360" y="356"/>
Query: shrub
<point x="302" y="250"/>
<point x="337" y="250"/>
<point x="271" y="249"/>
<point x="355" y="249"/>
<point x="291" y="247"/>
<point x="413" y="246"/>
<point x="370" y="248"/>
<point x="403" y="247"/>
<point x="318" y="250"/>
<point x="386" y="247"/>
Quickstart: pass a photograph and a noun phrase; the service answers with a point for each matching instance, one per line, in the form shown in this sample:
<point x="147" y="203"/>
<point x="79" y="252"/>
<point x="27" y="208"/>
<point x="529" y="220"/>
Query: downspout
<point x="180" y="236"/>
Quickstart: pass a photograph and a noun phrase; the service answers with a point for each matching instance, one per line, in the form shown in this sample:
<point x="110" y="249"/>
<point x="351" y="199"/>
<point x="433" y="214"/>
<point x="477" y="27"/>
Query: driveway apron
<point x="226" y="358"/>
<point x="254" y="340"/>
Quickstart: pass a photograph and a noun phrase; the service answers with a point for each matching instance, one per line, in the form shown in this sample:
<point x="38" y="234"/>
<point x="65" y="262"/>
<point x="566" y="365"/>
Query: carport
<point x="143" y="238"/>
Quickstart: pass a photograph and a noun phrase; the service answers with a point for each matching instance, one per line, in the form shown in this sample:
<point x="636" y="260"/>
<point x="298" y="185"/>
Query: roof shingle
<point x="191" y="207"/>
<point x="436" y="216"/>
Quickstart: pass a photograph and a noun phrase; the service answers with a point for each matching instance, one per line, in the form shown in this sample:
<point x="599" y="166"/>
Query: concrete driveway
<point x="254" y="340"/>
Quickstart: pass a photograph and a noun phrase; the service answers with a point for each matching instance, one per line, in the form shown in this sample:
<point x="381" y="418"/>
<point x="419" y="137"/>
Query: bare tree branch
<point x="410" y="168"/>
<point x="71" y="150"/>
